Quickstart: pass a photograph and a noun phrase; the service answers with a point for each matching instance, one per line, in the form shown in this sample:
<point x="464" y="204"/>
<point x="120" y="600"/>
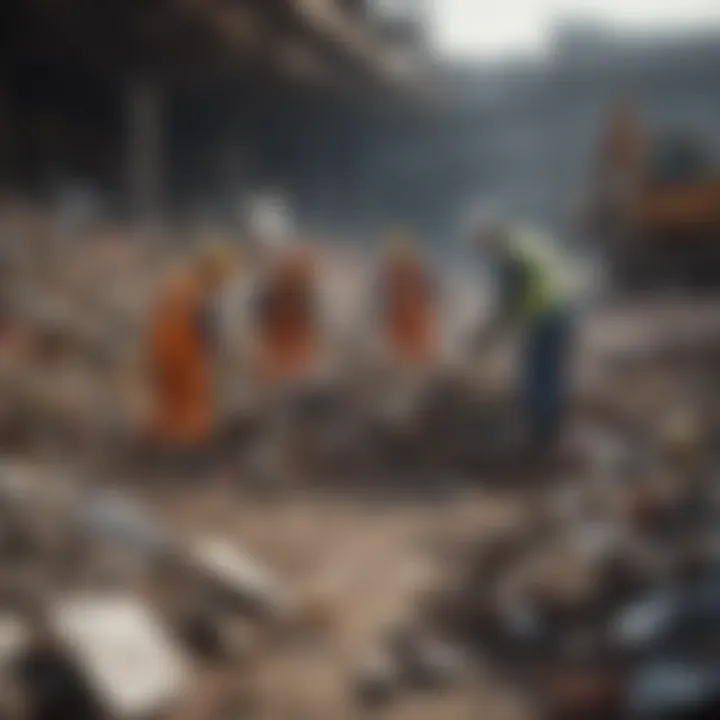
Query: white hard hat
<point x="269" y="221"/>
<point x="484" y="218"/>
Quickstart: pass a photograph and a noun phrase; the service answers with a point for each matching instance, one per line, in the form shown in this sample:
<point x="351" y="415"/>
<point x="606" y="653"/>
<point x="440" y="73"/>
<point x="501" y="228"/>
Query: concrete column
<point x="6" y="137"/>
<point x="232" y="160"/>
<point x="366" y="177"/>
<point x="145" y="150"/>
<point x="315" y="170"/>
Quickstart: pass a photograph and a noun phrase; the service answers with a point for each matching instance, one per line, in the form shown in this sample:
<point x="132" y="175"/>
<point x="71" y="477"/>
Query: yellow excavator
<point x="657" y="207"/>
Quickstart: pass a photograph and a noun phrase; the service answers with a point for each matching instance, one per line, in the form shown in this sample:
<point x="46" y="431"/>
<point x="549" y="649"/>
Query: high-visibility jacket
<point x="535" y="281"/>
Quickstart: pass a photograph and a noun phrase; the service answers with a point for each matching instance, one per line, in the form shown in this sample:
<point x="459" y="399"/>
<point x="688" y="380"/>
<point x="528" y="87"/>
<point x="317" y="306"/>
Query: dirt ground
<point x="365" y="563"/>
<point x="357" y="562"/>
<point x="365" y="560"/>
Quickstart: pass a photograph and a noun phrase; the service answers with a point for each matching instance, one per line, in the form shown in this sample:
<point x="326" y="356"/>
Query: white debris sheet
<point x="131" y="666"/>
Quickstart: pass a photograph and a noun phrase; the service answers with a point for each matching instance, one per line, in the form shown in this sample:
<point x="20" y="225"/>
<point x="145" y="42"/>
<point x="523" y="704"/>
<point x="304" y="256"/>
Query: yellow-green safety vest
<point x="547" y="286"/>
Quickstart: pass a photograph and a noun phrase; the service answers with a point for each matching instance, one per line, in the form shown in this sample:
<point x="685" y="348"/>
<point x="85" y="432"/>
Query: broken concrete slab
<point x="130" y="665"/>
<point x="237" y="576"/>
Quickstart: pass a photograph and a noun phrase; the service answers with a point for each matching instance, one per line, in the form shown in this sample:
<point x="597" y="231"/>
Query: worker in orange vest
<point x="410" y="304"/>
<point x="622" y="163"/>
<point x="181" y="351"/>
<point x="625" y="141"/>
<point x="286" y="317"/>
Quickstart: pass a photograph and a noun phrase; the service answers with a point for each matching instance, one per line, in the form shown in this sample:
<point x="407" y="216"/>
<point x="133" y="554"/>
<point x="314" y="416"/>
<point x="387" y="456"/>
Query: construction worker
<point x="181" y="350"/>
<point x="286" y="317"/>
<point x="622" y="165"/>
<point x="535" y="294"/>
<point x="625" y="143"/>
<point x="410" y="313"/>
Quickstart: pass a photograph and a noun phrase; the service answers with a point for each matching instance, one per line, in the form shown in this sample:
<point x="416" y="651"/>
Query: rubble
<point x="600" y="600"/>
<point x="666" y="690"/>
<point x="430" y="663"/>
<point x="589" y="694"/>
<point x="378" y="682"/>
<point x="106" y="516"/>
<point x="15" y="638"/>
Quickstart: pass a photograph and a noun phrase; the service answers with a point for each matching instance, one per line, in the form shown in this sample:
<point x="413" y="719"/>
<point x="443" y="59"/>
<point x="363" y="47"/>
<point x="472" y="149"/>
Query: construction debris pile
<point x="73" y="313"/>
<point x="74" y="377"/>
<point x="102" y="606"/>
<point x="600" y="599"/>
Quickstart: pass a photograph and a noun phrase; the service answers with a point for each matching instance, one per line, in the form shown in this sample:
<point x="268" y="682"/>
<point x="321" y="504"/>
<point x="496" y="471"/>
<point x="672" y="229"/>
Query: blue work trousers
<point x="546" y="371"/>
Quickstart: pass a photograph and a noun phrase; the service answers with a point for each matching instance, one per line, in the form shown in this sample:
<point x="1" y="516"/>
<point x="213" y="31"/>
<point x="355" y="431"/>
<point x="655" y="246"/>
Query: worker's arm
<point x="512" y="280"/>
<point x="490" y="333"/>
<point x="207" y="321"/>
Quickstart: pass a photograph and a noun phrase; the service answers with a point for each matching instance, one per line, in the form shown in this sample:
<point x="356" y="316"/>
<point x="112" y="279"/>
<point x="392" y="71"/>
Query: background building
<point x="172" y="110"/>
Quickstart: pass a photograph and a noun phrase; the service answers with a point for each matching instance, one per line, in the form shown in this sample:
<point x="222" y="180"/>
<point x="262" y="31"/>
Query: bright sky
<point x="468" y="28"/>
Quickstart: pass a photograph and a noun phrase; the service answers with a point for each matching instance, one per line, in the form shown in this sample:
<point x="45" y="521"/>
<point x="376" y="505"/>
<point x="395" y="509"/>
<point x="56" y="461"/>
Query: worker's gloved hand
<point x="473" y="347"/>
<point x="483" y="339"/>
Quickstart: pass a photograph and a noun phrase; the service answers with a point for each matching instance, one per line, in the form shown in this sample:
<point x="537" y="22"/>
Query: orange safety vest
<point x="287" y="322"/>
<point x="180" y="366"/>
<point x="411" y="312"/>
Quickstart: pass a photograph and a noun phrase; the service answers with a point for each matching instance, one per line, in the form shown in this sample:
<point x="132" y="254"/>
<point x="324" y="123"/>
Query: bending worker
<point x="182" y="346"/>
<point x="535" y="294"/>
<point x="410" y="304"/>
<point x="287" y="317"/>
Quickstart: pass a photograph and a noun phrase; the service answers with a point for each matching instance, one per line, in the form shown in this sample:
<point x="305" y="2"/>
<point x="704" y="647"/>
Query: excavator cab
<point x="678" y="158"/>
<point x="660" y="202"/>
